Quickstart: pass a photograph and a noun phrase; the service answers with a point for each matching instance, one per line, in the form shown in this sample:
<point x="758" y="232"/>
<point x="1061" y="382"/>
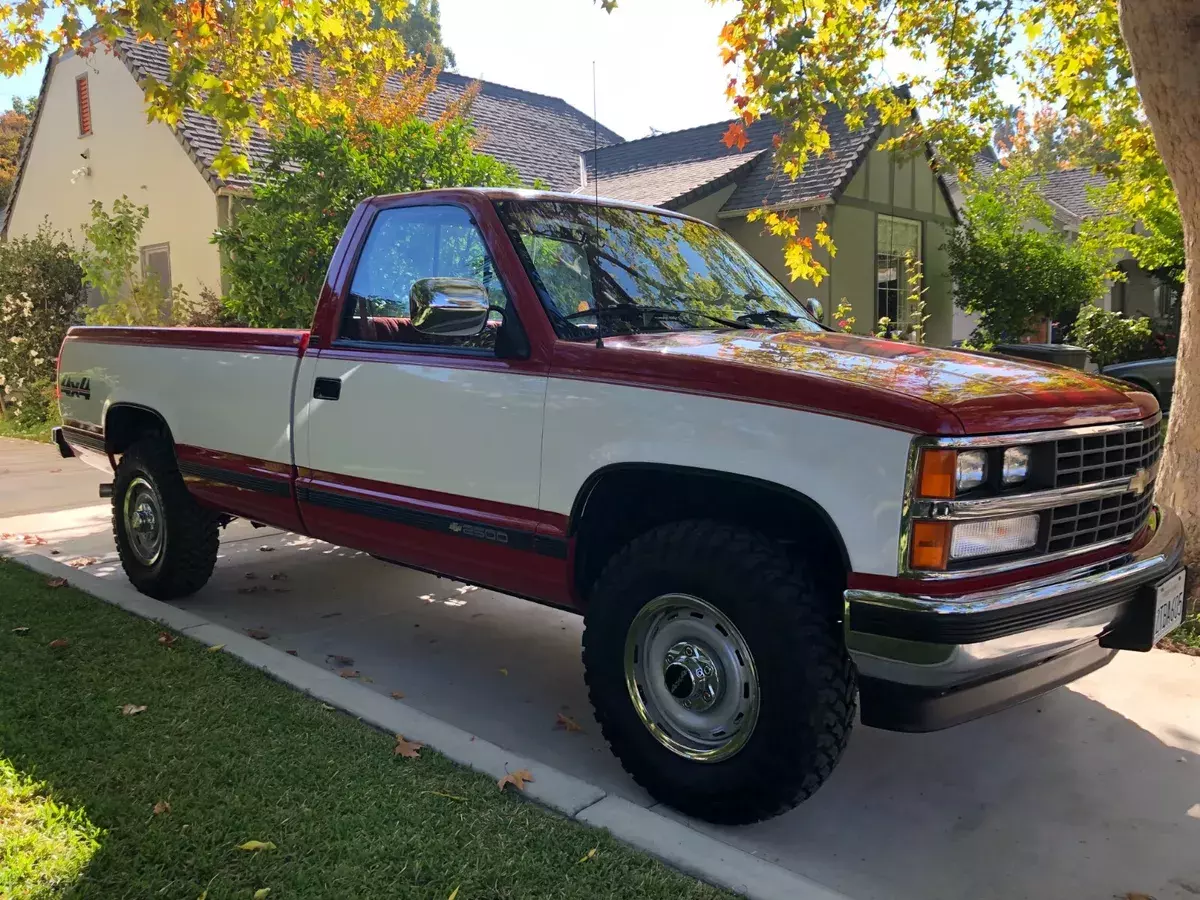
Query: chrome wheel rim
<point x="144" y="525"/>
<point x="691" y="678"/>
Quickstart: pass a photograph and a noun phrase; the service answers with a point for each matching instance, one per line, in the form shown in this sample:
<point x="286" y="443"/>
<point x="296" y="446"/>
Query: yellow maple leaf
<point x="257" y="845"/>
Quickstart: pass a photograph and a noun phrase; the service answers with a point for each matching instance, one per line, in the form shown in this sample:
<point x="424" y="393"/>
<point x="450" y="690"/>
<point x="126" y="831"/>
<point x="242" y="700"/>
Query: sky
<point x="657" y="62"/>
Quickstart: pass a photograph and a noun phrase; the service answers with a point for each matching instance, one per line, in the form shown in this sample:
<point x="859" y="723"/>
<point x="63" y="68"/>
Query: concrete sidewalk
<point x="1090" y="792"/>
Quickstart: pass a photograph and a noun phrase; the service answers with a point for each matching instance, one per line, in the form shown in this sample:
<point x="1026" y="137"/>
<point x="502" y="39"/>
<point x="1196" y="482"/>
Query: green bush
<point x="41" y="294"/>
<point x="1110" y="337"/>
<point x="280" y="244"/>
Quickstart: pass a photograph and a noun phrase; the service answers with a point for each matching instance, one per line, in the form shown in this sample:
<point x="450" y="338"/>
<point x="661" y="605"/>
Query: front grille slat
<point x="1092" y="459"/>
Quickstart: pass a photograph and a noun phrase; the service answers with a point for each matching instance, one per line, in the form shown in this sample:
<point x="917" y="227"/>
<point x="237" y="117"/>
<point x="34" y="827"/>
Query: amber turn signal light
<point x="930" y="546"/>
<point x="939" y="469"/>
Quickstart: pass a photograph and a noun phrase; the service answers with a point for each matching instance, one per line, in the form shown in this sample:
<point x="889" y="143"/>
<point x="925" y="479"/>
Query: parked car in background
<point x="1155" y="376"/>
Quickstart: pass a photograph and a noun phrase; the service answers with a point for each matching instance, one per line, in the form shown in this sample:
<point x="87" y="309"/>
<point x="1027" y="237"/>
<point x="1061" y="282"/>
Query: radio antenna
<point x="596" y="176"/>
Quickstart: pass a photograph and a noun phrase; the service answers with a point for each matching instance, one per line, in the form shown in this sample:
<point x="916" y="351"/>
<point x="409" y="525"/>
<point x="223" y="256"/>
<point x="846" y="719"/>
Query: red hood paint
<point x="922" y="388"/>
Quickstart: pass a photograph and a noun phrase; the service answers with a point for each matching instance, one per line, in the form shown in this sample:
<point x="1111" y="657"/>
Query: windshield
<point x="651" y="272"/>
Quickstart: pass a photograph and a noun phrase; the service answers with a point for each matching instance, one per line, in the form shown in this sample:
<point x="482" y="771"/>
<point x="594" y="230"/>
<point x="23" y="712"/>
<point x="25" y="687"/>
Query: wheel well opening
<point x="123" y="425"/>
<point x="623" y="502"/>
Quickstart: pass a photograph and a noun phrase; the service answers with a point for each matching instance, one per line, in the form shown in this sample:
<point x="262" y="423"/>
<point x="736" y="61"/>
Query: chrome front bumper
<point x="928" y="662"/>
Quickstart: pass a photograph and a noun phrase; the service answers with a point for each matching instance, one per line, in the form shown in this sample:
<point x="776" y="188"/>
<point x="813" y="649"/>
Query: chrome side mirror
<point x="448" y="307"/>
<point x="815" y="309"/>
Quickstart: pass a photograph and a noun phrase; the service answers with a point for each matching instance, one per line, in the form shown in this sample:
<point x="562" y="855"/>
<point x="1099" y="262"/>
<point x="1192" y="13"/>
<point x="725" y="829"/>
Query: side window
<point x="404" y="246"/>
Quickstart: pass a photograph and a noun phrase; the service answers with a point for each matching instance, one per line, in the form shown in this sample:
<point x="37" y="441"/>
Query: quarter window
<point x="405" y="246"/>
<point x="896" y="242"/>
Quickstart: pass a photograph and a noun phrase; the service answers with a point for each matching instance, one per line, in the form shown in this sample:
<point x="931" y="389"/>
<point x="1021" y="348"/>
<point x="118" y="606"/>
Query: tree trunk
<point x="1163" y="37"/>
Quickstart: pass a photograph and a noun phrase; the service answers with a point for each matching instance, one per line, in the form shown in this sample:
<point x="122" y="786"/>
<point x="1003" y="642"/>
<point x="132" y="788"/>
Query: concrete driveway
<point x="1091" y="792"/>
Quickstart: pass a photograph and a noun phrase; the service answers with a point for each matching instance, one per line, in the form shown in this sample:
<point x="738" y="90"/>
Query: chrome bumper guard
<point x="929" y="662"/>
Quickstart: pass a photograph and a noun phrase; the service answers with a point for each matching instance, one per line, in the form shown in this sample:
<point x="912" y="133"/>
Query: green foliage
<point x="843" y="316"/>
<point x="41" y="292"/>
<point x="112" y="265"/>
<point x="1110" y="337"/>
<point x="1013" y="267"/>
<point x="279" y="246"/>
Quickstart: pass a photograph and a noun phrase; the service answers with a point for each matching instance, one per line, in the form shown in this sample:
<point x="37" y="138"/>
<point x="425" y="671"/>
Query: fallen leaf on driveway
<point x="291" y="652"/>
<point x="258" y="634"/>
<point x="517" y="779"/>
<point x="59" y="643"/>
<point x="265" y="549"/>
<point x="162" y="806"/>
<point x="166" y="638"/>
<point x="80" y="561"/>
<point x="504" y="671"/>
<point x="55" y="471"/>
<point x="279" y="576"/>
<point x="348" y="673"/>
<point x="250" y="576"/>
<point x="253" y="589"/>
<point x="1132" y="895"/>
<point x="591" y="854"/>
<point x="32" y="540"/>
<point x="56" y="582"/>
<point x="55" y="552"/>
<point x="21" y="629"/>
<point x="281" y="590"/>
<point x="397" y="695"/>
<point x="261" y="894"/>
<point x="130" y="710"/>
<point x="338" y="660"/>
<point x="407" y="749"/>
<point x="566" y="723"/>
<point x="256" y="845"/>
<point x="368" y="679"/>
<point x="216" y="647"/>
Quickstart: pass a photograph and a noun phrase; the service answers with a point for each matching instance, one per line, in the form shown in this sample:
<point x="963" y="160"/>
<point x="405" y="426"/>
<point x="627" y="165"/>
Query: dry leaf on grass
<point x="216" y="648"/>
<point x="162" y="806"/>
<point x="406" y="748"/>
<point x="328" y="707"/>
<point x="453" y="893"/>
<point x="397" y="695"/>
<point x="337" y="659"/>
<point x="166" y="638"/>
<point x="447" y="796"/>
<point x="80" y="561"/>
<point x="256" y="845"/>
<point x="517" y="779"/>
<point x="258" y="634"/>
<point x="566" y="723"/>
<point x="591" y="854"/>
<point x="130" y="710"/>
<point x="261" y="894"/>
<point x="348" y="673"/>
<point x="59" y="643"/>
<point x="21" y="629"/>
<point x="56" y="582"/>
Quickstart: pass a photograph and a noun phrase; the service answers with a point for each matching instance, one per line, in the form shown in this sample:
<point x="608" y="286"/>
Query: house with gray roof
<point x="878" y="206"/>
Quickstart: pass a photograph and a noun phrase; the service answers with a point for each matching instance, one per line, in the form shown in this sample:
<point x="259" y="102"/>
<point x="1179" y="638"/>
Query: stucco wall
<point x="852" y="275"/>
<point x="768" y="250"/>
<point x="126" y="155"/>
<point x="707" y="207"/>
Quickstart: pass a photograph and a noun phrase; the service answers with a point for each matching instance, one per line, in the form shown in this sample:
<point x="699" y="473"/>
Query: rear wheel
<point x="167" y="542"/>
<point x="717" y="671"/>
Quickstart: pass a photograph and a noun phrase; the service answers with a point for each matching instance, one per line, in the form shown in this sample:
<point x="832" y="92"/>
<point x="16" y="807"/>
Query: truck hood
<point x="984" y="392"/>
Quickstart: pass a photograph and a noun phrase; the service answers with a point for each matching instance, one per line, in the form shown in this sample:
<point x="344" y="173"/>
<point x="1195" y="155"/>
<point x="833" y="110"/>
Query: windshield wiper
<point x="627" y="309"/>
<point x="767" y="317"/>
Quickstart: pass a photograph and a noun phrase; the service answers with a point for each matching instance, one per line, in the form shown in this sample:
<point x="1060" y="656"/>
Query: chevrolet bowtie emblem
<point x="1139" y="482"/>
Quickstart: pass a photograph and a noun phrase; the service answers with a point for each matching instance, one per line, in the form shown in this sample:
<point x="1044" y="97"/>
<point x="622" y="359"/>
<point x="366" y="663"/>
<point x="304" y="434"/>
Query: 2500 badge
<point x="76" y="386"/>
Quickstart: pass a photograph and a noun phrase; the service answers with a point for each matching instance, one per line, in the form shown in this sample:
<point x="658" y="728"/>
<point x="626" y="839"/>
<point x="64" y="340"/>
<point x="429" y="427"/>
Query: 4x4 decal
<point x="76" y="386"/>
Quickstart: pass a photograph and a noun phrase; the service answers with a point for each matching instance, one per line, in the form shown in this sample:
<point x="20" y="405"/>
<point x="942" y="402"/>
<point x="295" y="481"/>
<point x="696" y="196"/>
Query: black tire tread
<point x="795" y="597"/>
<point x="192" y="532"/>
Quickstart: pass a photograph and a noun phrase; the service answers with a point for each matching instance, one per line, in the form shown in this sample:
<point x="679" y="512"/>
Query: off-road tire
<point x="190" y="542"/>
<point x="807" y="681"/>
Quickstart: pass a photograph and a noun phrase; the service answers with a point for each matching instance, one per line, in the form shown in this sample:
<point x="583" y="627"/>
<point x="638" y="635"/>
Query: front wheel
<point x="167" y="542"/>
<point x="717" y="671"/>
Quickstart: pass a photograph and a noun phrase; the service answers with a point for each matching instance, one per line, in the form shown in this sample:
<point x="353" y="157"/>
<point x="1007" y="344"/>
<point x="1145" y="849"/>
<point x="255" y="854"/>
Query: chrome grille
<point x="1098" y="521"/>
<point x="1101" y="457"/>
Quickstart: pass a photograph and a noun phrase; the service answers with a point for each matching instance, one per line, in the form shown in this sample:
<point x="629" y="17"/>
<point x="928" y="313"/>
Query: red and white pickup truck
<point x="614" y="409"/>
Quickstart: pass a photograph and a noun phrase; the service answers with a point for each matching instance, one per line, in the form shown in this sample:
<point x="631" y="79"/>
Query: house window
<point x="896" y="240"/>
<point x="156" y="265"/>
<point x="84" y="102"/>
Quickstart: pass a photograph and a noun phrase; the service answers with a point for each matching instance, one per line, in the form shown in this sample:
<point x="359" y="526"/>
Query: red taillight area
<point x="58" y="369"/>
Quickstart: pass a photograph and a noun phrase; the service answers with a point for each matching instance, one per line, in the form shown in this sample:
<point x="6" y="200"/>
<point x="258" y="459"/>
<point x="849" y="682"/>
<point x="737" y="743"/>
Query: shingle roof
<point x="1069" y="189"/>
<point x="676" y="168"/>
<point x="540" y="136"/>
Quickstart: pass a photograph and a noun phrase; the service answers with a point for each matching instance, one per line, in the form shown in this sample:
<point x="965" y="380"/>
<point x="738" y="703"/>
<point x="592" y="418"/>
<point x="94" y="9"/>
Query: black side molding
<point x="64" y="449"/>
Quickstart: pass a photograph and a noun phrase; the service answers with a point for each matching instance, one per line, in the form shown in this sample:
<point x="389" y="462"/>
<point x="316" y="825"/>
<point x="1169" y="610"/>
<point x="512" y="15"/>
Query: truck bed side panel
<point x="225" y="395"/>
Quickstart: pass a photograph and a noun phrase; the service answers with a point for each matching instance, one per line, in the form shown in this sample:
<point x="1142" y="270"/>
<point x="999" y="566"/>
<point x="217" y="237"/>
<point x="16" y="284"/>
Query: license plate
<point x="1168" y="605"/>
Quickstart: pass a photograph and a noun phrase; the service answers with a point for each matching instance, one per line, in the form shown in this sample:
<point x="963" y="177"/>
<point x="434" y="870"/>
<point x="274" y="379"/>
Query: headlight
<point x="971" y="470"/>
<point x="1016" y="465"/>
<point x="993" y="537"/>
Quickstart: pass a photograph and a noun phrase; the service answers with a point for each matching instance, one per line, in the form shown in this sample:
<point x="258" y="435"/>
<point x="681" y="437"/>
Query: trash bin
<point x="1059" y="354"/>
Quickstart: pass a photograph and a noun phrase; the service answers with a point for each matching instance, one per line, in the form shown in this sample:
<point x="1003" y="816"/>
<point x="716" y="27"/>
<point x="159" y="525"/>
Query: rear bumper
<point x="931" y="662"/>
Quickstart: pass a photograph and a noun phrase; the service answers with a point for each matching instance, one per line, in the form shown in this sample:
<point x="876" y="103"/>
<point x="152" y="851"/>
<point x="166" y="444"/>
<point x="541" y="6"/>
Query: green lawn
<point x="1185" y="639"/>
<point x="239" y="757"/>
<point x="9" y="428"/>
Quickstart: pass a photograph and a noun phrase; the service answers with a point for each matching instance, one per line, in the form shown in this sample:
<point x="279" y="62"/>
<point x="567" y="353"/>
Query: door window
<point x="405" y="245"/>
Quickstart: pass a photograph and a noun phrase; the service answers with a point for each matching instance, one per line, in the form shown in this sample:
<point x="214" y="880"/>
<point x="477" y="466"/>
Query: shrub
<point x="1110" y="337"/>
<point x="41" y="292"/>
<point x="279" y="245"/>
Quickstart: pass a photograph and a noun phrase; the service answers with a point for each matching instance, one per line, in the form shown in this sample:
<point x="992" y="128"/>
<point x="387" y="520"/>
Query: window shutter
<point x="84" y="101"/>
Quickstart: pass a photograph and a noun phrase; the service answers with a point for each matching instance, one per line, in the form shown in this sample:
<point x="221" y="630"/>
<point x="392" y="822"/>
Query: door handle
<point x="327" y="388"/>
